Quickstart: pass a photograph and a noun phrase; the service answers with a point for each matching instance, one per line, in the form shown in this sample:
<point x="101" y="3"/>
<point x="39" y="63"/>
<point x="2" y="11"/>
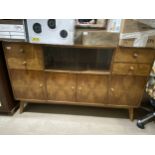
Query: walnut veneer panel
<point x="131" y="69"/>
<point x="92" y="88"/>
<point x="34" y="58"/>
<point x="61" y="86"/>
<point x="14" y="55"/>
<point x="126" y="90"/>
<point x="134" y="55"/>
<point x="28" y="84"/>
<point x="23" y="56"/>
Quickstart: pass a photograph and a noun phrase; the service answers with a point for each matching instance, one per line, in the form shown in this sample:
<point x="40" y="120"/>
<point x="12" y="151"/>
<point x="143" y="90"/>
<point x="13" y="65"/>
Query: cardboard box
<point x="149" y="22"/>
<point x="136" y="33"/>
<point x="100" y="38"/>
<point x="114" y="25"/>
<point x="78" y="35"/>
<point x="93" y="24"/>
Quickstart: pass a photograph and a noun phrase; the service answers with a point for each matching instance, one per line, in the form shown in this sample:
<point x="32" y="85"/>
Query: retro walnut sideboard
<point x="78" y="75"/>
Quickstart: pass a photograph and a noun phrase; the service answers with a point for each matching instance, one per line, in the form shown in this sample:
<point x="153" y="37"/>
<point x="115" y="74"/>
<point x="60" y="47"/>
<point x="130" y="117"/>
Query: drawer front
<point x="15" y="55"/>
<point x="23" y="56"/>
<point x="134" y="55"/>
<point x="131" y="69"/>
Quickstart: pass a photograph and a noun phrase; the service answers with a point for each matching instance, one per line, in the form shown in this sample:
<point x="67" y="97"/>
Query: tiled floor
<point x="61" y="119"/>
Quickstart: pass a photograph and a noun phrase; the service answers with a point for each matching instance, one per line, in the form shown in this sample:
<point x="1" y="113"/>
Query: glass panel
<point x="77" y="59"/>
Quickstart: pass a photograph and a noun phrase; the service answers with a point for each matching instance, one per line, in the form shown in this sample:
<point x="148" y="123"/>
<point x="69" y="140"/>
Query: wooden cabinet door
<point x="61" y="86"/>
<point x="135" y="55"/>
<point x="126" y="90"/>
<point x="92" y="88"/>
<point x="28" y="84"/>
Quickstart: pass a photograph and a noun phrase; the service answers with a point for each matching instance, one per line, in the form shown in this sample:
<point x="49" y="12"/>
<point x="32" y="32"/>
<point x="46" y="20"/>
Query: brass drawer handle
<point x="24" y="63"/>
<point x="135" y="55"/>
<point x="8" y="48"/>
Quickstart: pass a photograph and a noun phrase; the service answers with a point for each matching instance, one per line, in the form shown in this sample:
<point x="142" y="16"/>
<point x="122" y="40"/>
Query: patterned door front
<point x="61" y="86"/>
<point x="92" y="88"/>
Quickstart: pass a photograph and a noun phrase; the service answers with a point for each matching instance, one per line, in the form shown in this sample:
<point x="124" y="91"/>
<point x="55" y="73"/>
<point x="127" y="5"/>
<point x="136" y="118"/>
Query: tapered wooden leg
<point x="131" y="114"/>
<point x="21" y="107"/>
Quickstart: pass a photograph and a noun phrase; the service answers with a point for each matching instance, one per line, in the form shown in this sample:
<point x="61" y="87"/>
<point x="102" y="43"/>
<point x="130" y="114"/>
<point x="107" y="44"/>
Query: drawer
<point x="134" y="55"/>
<point x="131" y="69"/>
<point x="23" y="56"/>
<point x="15" y="55"/>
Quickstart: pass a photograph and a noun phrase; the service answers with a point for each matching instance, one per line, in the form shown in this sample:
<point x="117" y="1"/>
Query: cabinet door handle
<point x="8" y="48"/>
<point x="24" y="63"/>
<point x="21" y="50"/>
<point x="135" y="55"/>
<point x="73" y="87"/>
<point x="112" y="89"/>
<point x="41" y="85"/>
<point x="131" y="68"/>
<point x="80" y="88"/>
